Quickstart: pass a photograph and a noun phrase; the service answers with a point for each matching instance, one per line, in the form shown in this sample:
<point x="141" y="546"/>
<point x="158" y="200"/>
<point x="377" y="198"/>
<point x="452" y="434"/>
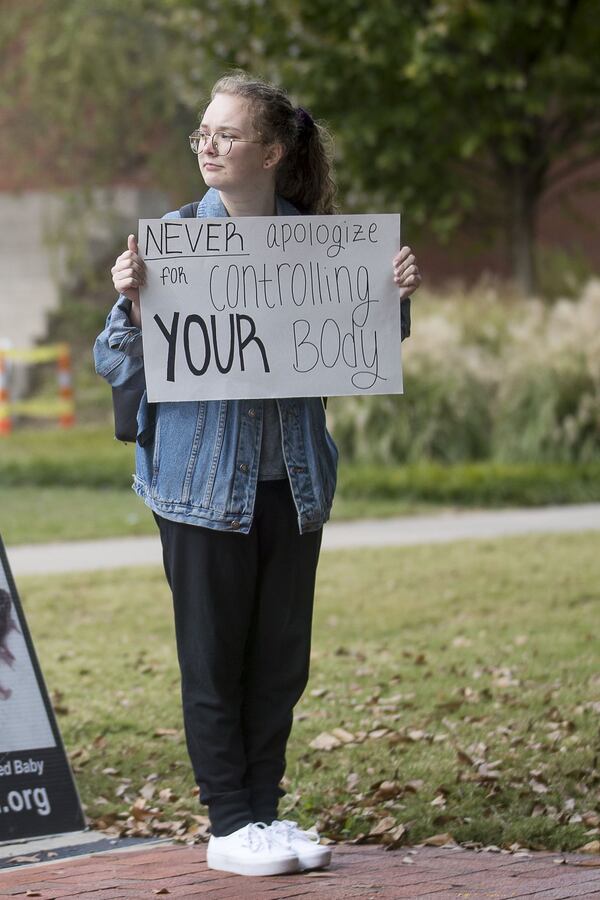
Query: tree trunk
<point x="522" y="209"/>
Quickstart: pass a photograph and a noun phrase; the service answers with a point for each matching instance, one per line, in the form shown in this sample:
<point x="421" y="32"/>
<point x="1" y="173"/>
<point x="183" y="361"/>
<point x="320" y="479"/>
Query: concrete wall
<point x="34" y="266"/>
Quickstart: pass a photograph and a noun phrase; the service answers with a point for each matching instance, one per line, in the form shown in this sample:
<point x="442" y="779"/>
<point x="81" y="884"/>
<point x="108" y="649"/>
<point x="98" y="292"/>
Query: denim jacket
<point x="197" y="461"/>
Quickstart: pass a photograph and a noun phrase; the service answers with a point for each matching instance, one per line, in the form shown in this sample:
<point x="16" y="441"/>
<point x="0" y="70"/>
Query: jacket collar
<point x="211" y="206"/>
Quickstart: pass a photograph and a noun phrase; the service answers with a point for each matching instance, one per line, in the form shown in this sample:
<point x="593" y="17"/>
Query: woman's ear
<point x="273" y="154"/>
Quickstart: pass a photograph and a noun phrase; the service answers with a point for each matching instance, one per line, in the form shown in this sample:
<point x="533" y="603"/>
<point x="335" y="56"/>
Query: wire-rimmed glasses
<point x="220" y="140"/>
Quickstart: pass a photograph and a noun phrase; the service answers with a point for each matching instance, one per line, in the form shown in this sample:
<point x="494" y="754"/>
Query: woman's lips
<point x="212" y="166"/>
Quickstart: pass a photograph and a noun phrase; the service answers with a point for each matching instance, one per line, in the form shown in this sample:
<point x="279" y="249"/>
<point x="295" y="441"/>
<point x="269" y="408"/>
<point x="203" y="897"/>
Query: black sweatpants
<point x="243" y="615"/>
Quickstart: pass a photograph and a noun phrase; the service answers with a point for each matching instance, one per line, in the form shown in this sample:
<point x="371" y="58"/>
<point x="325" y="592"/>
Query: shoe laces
<point x="290" y="830"/>
<point x="256" y="836"/>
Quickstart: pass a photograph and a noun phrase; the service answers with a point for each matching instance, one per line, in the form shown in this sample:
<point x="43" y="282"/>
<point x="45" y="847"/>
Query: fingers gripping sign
<point x="129" y="271"/>
<point x="129" y="274"/>
<point x="406" y="272"/>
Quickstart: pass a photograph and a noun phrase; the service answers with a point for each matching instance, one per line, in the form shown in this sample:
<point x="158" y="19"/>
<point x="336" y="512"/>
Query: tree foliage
<point x="462" y="110"/>
<point x="459" y="111"/>
<point x="94" y="90"/>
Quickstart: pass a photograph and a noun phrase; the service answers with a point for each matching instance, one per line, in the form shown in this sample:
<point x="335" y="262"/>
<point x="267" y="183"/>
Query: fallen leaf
<point x="394" y="699"/>
<point x="387" y="790"/>
<point x="592" y="847"/>
<point x="359" y="839"/>
<point x="438" y="840"/>
<point x="378" y="733"/>
<point x="138" y="810"/>
<point x="325" y="741"/>
<point x="59" y="708"/>
<point x="352" y="780"/>
<point x="414" y="785"/>
<point x="538" y="787"/>
<point x="105" y="821"/>
<point x="486" y="773"/>
<point x="591" y="818"/>
<point x="393" y="838"/>
<point x="383" y="825"/>
<point x="79" y="757"/>
<point x="344" y="736"/>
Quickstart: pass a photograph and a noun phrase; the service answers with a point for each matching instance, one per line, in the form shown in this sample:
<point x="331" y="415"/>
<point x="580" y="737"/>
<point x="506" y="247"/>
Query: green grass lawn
<point x="39" y="514"/>
<point x="75" y="484"/>
<point x="464" y="678"/>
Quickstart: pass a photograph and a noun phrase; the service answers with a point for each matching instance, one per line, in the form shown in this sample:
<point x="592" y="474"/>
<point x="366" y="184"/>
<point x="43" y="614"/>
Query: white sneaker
<point x="250" y="850"/>
<point x="305" y="844"/>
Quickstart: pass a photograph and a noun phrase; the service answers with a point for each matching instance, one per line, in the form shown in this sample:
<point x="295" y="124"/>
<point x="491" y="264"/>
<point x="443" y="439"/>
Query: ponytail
<point x="304" y="176"/>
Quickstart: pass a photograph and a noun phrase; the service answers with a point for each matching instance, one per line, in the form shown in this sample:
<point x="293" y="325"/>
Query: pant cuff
<point x="230" y="811"/>
<point x="264" y="801"/>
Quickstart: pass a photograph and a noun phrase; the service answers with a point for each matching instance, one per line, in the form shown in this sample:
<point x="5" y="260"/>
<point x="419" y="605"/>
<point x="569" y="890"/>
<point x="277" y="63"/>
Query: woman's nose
<point x="208" y="148"/>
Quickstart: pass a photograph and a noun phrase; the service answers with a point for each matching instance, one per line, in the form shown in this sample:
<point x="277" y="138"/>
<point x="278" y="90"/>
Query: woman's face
<point x="245" y="163"/>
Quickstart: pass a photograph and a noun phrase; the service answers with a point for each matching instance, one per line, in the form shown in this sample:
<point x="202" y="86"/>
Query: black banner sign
<point x="38" y="795"/>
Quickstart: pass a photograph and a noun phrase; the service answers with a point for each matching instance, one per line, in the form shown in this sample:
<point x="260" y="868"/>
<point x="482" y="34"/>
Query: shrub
<point x="487" y="376"/>
<point x="549" y="396"/>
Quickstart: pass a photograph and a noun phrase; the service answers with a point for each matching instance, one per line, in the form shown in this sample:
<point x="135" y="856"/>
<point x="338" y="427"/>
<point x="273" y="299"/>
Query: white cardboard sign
<point x="257" y="307"/>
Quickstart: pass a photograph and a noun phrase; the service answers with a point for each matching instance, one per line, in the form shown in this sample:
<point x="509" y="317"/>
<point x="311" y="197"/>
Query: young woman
<point x="240" y="491"/>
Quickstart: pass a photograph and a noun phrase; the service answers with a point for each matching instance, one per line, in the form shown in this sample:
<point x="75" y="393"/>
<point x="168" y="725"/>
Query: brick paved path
<point x="356" y="872"/>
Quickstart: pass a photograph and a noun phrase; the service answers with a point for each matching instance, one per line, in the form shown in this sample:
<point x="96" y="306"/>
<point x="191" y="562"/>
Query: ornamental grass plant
<point x="487" y="376"/>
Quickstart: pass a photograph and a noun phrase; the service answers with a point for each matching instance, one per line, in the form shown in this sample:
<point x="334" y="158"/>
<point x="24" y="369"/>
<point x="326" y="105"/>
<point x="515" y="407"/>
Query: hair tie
<point x="304" y="117"/>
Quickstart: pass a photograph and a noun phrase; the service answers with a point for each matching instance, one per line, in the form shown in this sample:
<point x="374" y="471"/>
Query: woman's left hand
<point x="406" y="272"/>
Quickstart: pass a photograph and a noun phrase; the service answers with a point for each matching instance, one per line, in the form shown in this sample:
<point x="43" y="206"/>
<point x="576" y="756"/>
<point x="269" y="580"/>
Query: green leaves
<point x="418" y="94"/>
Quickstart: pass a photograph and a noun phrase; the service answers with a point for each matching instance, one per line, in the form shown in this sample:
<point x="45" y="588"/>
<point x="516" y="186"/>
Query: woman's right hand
<point x="129" y="272"/>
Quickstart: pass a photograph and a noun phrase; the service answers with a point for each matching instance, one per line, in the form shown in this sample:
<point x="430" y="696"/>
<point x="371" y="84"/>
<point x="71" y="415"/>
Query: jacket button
<point x="244" y="467"/>
<point x="235" y="524"/>
<point x="252" y="412"/>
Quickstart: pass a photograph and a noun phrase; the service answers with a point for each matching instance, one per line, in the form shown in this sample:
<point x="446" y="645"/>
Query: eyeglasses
<point x="221" y="142"/>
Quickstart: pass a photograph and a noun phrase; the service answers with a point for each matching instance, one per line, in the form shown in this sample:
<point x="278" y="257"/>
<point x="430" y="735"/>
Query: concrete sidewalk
<point x="80" y="556"/>
<point x="361" y="871"/>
